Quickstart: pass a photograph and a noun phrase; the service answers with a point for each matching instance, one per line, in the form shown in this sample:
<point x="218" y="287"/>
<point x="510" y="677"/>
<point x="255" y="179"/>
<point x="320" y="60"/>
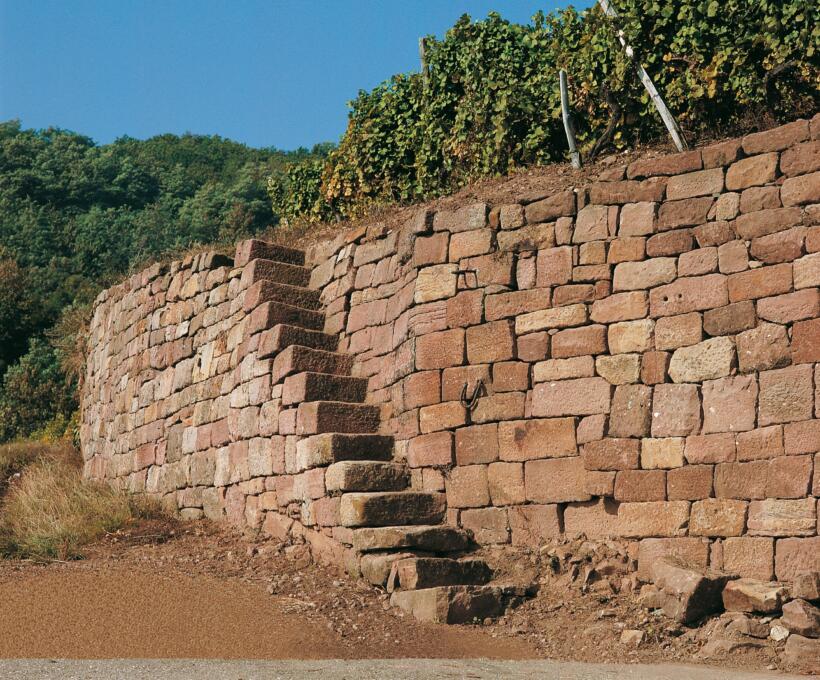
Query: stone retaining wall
<point x="645" y="350"/>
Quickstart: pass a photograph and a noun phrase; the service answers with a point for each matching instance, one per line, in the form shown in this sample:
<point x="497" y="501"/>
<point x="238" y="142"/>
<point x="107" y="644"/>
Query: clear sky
<point x="264" y="72"/>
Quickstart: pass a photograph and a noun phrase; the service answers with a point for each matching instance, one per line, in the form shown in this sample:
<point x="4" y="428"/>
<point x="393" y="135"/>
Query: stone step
<point x="375" y="567"/>
<point x="416" y="573"/>
<point x="452" y="604"/>
<point x="268" y="291"/>
<point x="298" y="359"/>
<point x="275" y="340"/>
<point x="366" y="475"/>
<point x="391" y="507"/>
<point x="270" y="314"/>
<point x="315" y="417"/>
<point x="431" y="538"/>
<point x="332" y="447"/>
<point x="310" y="386"/>
<point x="278" y="272"/>
<point x="253" y="249"/>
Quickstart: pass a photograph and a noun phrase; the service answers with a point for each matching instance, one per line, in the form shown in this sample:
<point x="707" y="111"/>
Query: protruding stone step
<point x="388" y="508"/>
<point x="431" y="538"/>
<point x="298" y="358"/>
<point x="332" y="447"/>
<point x="417" y="573"/>
<point x="269" y="314"/>
<point x="376" y="567"/>
<point x="366" y="475"/>
<point x="451" y="604"/>
<point x="279" y="272"/>
<point x="275" y="340"/>
<point x="309" y="386"/>
<point x="268" y="291"/>
<point x="253" y="249"/>
<point x="315" y="417"/>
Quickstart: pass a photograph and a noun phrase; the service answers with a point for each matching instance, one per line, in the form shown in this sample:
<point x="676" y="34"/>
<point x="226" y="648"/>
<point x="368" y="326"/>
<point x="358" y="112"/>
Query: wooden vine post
<point x="663" y="110"/>
<point x="423" y="58"/>
<point x="575" y="157"/>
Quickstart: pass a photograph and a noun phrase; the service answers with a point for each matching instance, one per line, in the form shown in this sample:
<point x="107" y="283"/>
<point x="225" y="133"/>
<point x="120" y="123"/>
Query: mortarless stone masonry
<point x="648" y="352"/>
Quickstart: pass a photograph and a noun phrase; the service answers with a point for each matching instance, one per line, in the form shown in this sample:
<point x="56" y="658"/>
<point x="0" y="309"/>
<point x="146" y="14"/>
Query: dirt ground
<point x="198" y="590"/>
<point x="201" y="591"/>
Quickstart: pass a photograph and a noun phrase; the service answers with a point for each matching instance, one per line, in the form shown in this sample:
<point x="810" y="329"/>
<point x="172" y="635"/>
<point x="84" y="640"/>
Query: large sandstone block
<point x="801" y="190"/>
<point x="773" y="517"/>
<point x="691" y="294"/>
<point x="580" y="397"/>
<point x="630" y="413"/>
<point x="750" y="595"/>
<point x="555" y="481"/>
<point x="631" y="336"/>
<point x="750" y="172"/>
<point x="467" y="487"/>
<point x="749" y="557"/>
<point x="558" y="317"/>
<point x="762" y="348"/>
<point x="699" y="183"/>
<point x="786" y="394"/>
<point x="437" y="282"/>
<point x="675" y="410"/>
<point x="645" y="274"/>
<point x="611" y="454"/>
<point x="796" y="555"/>
<point x="506" y="483"/>
<point x="729" y="404"/>
<point x="707" y="360"/>
<point x="690" y="593"/>
<point x="450" y="604"/>
<point x="692" y="552"/>
<point x="718" y="517"/>
<point x="391" y="508"/>
<point x="520" y="440"/>
<point x="532" y="525"/>
<point x="467" y="218"/>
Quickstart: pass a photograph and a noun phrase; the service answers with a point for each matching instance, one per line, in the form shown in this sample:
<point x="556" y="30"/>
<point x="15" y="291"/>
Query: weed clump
<point x="49" y="511"/>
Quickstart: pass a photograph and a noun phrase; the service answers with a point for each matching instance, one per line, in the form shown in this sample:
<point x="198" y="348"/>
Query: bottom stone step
<point x="457" y="604"/>
<point x="418" y="573"/>
<point x="431" y="538"/>
<point x="376" y="567"/>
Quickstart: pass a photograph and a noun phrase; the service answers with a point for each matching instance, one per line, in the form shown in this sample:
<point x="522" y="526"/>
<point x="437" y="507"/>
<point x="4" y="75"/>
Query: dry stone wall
<point x="635" y="358"/>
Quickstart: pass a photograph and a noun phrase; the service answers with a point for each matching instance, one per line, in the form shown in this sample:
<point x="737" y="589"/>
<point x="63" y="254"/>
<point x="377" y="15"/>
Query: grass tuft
<point x="50" y="511"/>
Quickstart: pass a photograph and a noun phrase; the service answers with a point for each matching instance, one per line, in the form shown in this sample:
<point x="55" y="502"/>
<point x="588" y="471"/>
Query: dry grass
<point x="50" y="511"/>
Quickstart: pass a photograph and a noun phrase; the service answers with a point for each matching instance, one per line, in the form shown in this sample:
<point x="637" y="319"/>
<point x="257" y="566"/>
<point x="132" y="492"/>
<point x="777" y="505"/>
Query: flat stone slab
<point x="432" y="538"/>
<point x="388" y="508"/>
<point x="451" y="604"/>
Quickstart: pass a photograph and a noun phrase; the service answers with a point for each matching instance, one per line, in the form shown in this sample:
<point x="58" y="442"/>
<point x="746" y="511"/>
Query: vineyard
<point x="487" y="100"/>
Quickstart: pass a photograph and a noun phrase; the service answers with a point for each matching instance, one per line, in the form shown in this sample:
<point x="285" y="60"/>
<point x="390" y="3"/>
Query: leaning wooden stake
<point x="666" y="114"/>
<point x="568" y="128"/>
<point x="425" y="71"/>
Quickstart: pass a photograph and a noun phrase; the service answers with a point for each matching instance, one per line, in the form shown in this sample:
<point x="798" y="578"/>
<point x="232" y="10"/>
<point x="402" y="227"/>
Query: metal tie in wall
<point x="478" y="392"/>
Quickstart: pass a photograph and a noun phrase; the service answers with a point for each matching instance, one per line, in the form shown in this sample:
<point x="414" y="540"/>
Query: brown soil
<point x="544" y="180"/>
<point x="198" y="590"/>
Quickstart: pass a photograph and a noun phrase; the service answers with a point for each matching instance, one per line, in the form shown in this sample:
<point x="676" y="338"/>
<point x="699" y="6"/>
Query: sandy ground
<point x="200" y="591"/>
<point x="115" y="612"/>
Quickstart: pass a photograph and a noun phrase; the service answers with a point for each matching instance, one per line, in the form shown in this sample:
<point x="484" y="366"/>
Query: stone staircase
<point x="398" y="539"/>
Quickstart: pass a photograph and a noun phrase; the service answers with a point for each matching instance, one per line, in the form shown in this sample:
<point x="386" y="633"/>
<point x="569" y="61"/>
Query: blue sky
<point x="267" y="73"/>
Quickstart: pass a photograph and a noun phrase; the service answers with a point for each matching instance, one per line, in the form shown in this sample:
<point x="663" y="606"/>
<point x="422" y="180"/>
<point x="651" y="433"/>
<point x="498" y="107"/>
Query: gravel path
<point x="406" y="669"/>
